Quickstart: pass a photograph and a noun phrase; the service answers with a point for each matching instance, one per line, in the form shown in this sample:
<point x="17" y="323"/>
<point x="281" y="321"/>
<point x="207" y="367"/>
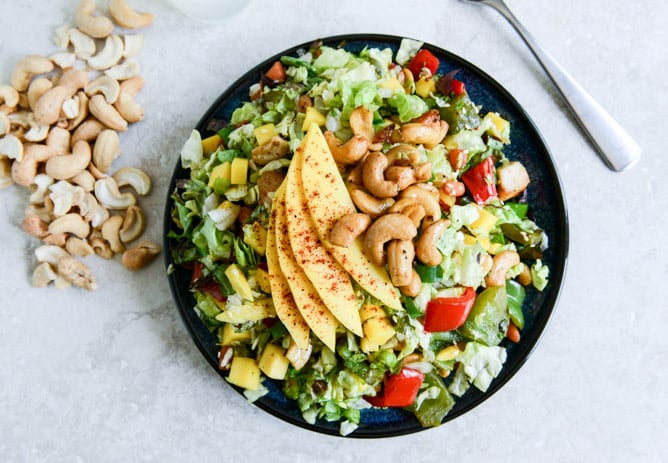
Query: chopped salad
<point x="460" y="302"/>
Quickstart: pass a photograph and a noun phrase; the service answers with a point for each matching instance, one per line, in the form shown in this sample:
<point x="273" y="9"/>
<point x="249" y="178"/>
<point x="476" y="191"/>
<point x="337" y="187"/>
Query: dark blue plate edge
<point x="557" y="275"/>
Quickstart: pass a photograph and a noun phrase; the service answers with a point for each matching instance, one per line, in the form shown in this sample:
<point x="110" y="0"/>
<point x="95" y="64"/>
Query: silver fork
<point x="613" y="144"/>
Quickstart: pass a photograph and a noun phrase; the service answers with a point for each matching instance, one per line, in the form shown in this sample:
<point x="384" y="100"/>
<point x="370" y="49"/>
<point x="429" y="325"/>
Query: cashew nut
<point x="25" y="170"/>
<point x="428" y="134"/>
<point x="501" y="264"/>
<point x="11" y="147"/>
<point x="409" y="208"/>
<point x="403" y="155"/>
<point x="426" y="248"/>
<point x="37" y="88"/>
<point x="49" y="253"/>
<point x="5" y="124"/>
<point x="361" y="123"/>
<point x="373" y="176"/>
<point x="349" y="152"/>
<point x="107" y="148"/>
<point x="105" y="85"/>
<point x="74" y="80"/>
<point x="106" y="113"/>
<point x="61" y="37"/>
<point x="64" y="196"/>
<point x="5" y="172"/>
<point x="136" y="178"/>
<point x="402" y="176"/>
<point x="84" y="179"/>
<point x="127" y="17"/>
<point x="43" y="275"/>
<point x="65" y="166"/>
<point x="110" y="55"/>
<point x="125" y="70"/>
<point x="88" y="207"/>
<point x="132" y="44"/>
<point x="59" y="140"/>
<point x="28" y="67"/>
<point x="413" y="288"/>
<point x="47" y="108"/>
<point x="276" y="148"/>
<point x="111" y="232"/>
<point x="84" y="45"/>
<point x="34" y="226"/>
<point x="384" y="229"/>
<point x="63" y="59"/>
<point x="87" y="131"/>
<point x="369" y="204"/>
<point x="76" y="272"/>
<point x="133" y="225"/>
<point x="427" y="199"/>
<point x="70" y="223"/>
<point x="78" y="247"/>
<point x="347" y="228"/>
<point x="101" y="248"/>
<point x="39" y="187"/>
<point x="140" y="255"/>
<point x="9" y="95"/>
<point x="108" y="194"/>
<point x="82" y="113"/>
<point x="400" y="255"/>
<point x="95" y="26"/>
<point x="126" y="104"/>
<point x="37" y="131"/>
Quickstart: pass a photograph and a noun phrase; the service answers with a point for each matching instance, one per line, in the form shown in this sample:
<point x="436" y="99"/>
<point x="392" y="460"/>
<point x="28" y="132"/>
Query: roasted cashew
<point x="126" y="104"/>
<point x="12" y="147"/>
<point x="427" y="199"/>
<point x="400" y="255"/>
<point x="88" y="131"/>
<point x="428" y="134"/>
<point x="88" y="208"/>
<point x="422" y="172"/>
<point x="413" y="288"/>
<point x="106" y="113"/>
<point x="101" y="247"/>
<point x="361" y="123"/>
<point x="9" y="95"/>
<point x="49" y="253"/>
<point x="24" y="171"/>
<point x="276" y="148"/>
<point x="486" y="263"/>
<point x="56" y="239"/>
<point x="5" y="172"/>
<point x="63" y="59"/>
<point x="111" y="229"/>
<point x="501" y="264"/>
<point x="125" y="70"/>
<point x="76" y="272"/>
<point x="373" y="176"/>
<point x="108" y="194"/>
<point x="37" y="88"/>
<point x="59" y="140"/>
<point x="133" y="225"/>
<point x="107" y="148"/>
<point x="127" y="17"/>
<point x="110" y="55"/>
<point x="78" y="247"/>
<point x="47" y="108"/>
<point x="95" y="26"/>
<point x="65" y="166"/>
<point x="136" y="178"/>
<point x="63" y="195"/>
<point x="84" y="45"/>
<point x="370" y="204"/>
<point x="84" y="179"/>
<point x="426" y="249"/>
<point x="5" y="124"/>
<point x="43" y="275"/>
<point x="34" y="226"/>
<point x="74" y="80"/>
<point x="403" y="155"/>
<point x="347" y="228"/>
<point x="349" y="152"/>
<point x="402" y="176"/>
<point x="71" y="223"/>
<point x="140" y="255"/>
<point x="105" y="85"/>
<point x="409" y="208"/>
<point x="385" y="228"/>
<point x="28" y="67"/>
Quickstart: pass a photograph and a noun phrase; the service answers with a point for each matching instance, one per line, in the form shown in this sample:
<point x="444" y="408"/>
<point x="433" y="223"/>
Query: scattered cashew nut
<point x="66" y="166"/>
<point x="95" y="26"/>
<point x="106" y="113"/>
<point x="107" y="148"/>
<point x="108" y="194"/>
<point x="140" y="255"/>
<point x="127" y="17"/>
<point x="349" y="152"/>
<point x="347" y="228"/>
<point x="502" y="262"/>
<point x="76" y="272"/>
<point x="384" y="229"/>
<point x="426" y="249"/>
<point x="129" y="108"/>
<point x="28" y="67"/>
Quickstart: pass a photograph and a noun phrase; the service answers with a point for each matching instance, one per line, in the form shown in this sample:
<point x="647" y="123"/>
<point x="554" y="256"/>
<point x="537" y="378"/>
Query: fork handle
<point x="613" y="144"/>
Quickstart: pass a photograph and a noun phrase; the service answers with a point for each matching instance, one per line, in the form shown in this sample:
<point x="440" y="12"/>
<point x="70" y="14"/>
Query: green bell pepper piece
<point x="516" y="294"/>
<point x="432" y="410"/>
<point x="488" y="320"/>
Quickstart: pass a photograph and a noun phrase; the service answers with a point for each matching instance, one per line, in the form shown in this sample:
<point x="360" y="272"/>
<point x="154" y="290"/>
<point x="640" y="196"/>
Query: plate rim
<point x="508" y="371"/>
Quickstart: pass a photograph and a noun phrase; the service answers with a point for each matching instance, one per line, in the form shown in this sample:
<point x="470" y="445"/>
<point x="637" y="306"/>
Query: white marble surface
<point x="113" y="376"/>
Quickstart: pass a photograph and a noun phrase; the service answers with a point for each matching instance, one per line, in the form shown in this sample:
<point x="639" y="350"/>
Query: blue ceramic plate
<point x="544" y="195"/>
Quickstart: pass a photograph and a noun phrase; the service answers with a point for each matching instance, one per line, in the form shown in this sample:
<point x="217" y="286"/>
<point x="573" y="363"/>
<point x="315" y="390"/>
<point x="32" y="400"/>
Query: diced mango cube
<point x="448" y="353"/>
<point x="210" y="144"/>
<point x="425" y="86"/>
<point x="239" y="282"/>
<point x="231" y="336"/>
<point x="484" y="223"/>
<point x="245" y="373"/>
<point x="371" y="311"/>
<point x="239" y="171"/>
<point x="273" y="362"/>
<point x="311" y="116"/>
<point x="264" y="133"/>
<point x="391" y="83"/>
<point x="499" y="128"/>
<point x="378" y="330"/>
<point x="263" y="281"/>
<point x="248" y="312"/>
<point x="255" y="236"/>
<point x="221" y="171"/>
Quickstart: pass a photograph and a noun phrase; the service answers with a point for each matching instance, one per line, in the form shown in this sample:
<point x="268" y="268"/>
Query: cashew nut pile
<point x="394" y="196"/>
<point x="59" y="126"/>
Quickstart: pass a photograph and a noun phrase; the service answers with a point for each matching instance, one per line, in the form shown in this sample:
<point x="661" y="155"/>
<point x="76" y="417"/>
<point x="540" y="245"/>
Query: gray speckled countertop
<point x="112" y="375"/>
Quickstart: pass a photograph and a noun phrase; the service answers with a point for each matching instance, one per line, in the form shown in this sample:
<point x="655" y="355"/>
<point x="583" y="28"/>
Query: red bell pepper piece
<point x="399" y="390"/>
<point x="457" y="87"/>
<point x="448" y="313"/>
<point x="423" y="59"/>
<point x="480" y="181"/>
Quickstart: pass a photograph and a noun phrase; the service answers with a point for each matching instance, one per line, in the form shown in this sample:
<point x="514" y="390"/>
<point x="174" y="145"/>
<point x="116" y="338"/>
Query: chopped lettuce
<point x="408" y="106"/>
<point x="478" y="365"/>
<point x="539" y="274"/>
